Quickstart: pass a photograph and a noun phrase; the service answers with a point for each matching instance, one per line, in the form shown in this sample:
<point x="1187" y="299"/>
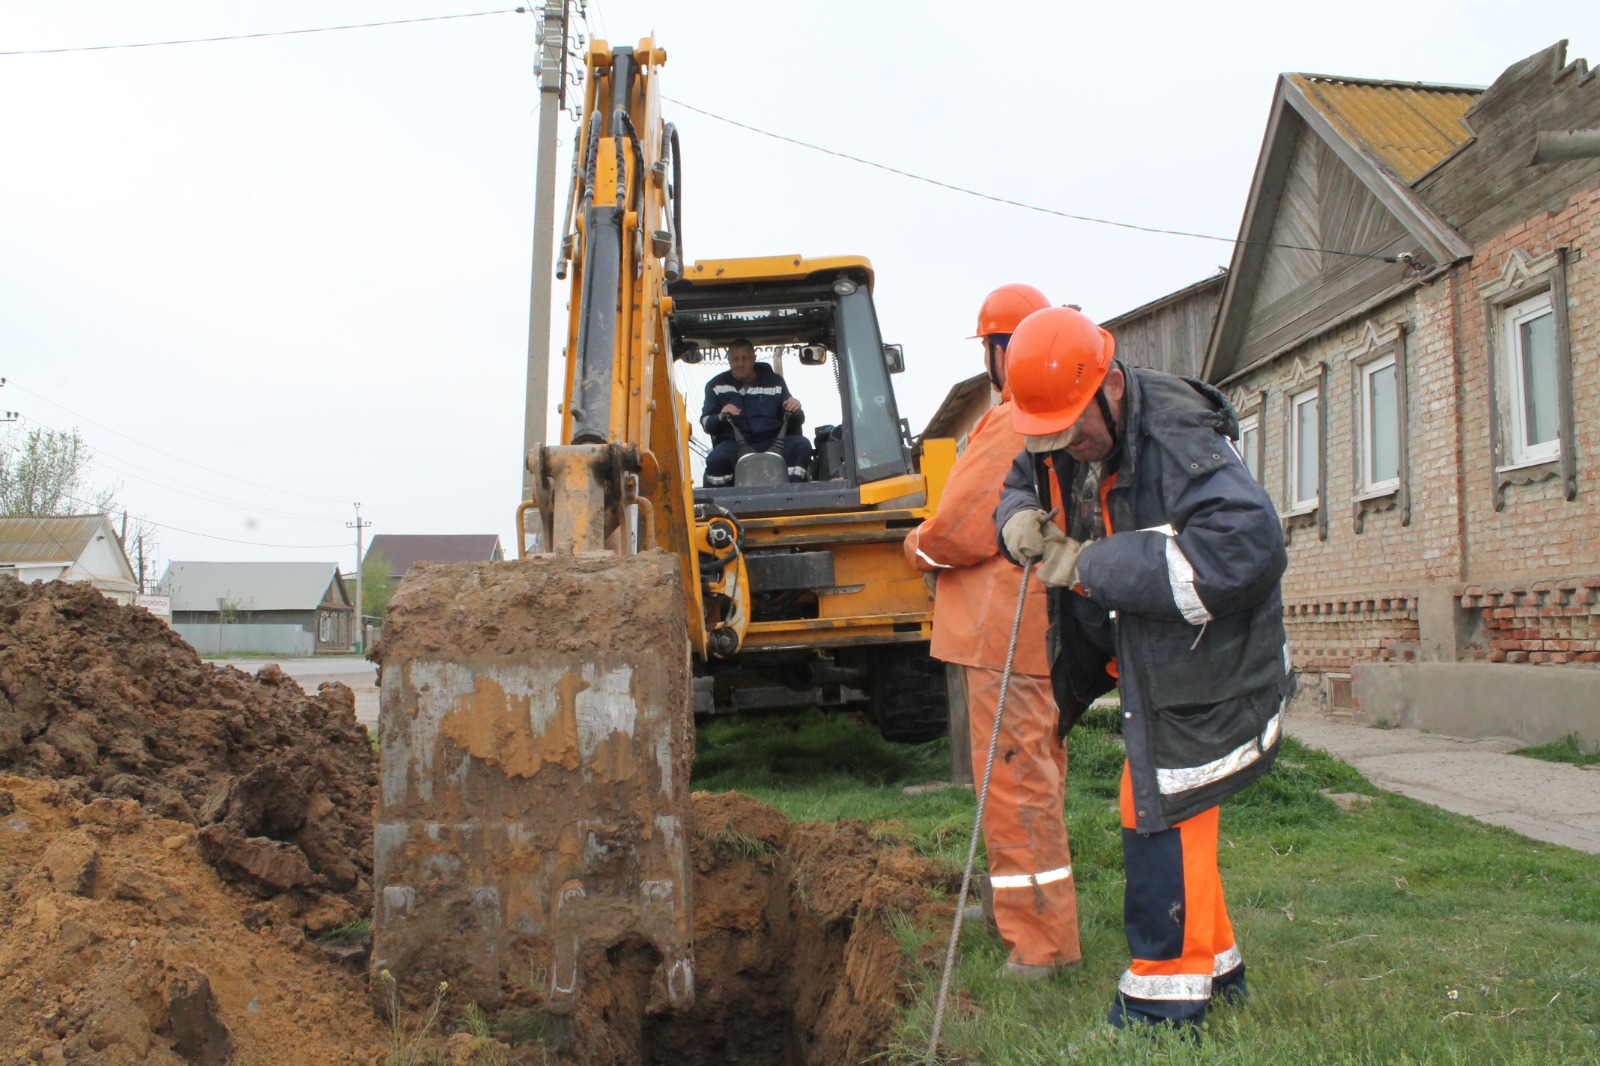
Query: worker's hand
<point x="730" y="409"/>
<point x="1024" y="534"/>
<point x="791" y="405"/>
<point x="1059" y="566"/>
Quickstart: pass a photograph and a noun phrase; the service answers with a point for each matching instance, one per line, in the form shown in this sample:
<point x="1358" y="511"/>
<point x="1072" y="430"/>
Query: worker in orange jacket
<point x="1025" y="837"/>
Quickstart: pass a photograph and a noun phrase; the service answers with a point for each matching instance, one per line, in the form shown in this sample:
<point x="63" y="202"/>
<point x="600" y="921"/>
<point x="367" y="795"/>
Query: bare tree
<point x="44" y="474"/>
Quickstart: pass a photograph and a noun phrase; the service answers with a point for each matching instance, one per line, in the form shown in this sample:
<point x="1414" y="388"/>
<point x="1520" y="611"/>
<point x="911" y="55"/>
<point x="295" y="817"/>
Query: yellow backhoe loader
<point x="537" y="715"/>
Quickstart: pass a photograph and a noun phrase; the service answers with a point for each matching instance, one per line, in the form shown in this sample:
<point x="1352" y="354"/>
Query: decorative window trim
<point x="1300" y="379"/>
<point x="1251" y="405"/>
<point x="1380" y="341"/>
<point x="1522" y="278"/>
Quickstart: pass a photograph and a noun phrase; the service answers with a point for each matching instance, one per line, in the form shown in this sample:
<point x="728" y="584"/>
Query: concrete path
<point x="1554" y="802"/>
<point x="351" y="670"/>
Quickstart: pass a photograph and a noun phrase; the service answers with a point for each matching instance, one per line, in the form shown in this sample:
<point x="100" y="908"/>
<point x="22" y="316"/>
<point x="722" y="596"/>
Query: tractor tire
<point x="909" y="700"/>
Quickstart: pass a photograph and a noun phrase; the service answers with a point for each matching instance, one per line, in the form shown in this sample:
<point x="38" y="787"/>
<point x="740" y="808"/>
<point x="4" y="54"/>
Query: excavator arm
<point x="537" y="716"/>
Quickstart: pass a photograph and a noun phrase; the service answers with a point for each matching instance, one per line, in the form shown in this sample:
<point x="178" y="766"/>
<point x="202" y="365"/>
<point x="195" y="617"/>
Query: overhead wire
<point x="270" y="33"/>
<point x="214" y="536"/>
<point x="172" y="484"/>
<point x="171" y="455"/>
<point x="1403" y="257"/>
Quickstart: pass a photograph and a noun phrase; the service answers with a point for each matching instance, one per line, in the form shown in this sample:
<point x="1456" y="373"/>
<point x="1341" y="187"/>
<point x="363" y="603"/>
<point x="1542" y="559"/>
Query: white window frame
<point x="1249" y="451"/>
<point x="1368" y="484"/>
<point x="1300" y="500"/>
<point x="1518" y="451"/>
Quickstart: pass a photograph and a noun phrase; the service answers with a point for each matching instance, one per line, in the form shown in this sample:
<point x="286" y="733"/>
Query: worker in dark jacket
<point x="753" y="398"/>
<point x="1163" y="559"/>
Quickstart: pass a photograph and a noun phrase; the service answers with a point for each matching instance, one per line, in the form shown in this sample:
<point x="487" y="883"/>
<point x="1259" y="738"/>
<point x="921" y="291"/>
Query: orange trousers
<point x="1179" y="936"/>
<point x="1024" y="829"/>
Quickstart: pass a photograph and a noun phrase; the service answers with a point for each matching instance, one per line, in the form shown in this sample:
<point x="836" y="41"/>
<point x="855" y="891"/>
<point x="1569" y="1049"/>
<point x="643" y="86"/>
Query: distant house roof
<point x="32" y="539"/>
<point x="404" y="550"/>
<point x="251" y="586"/>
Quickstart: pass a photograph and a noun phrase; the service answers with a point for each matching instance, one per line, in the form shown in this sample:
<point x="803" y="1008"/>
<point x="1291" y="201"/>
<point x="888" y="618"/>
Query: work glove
<point x="1026" y="532"/>
<point x="1059" y="566"/>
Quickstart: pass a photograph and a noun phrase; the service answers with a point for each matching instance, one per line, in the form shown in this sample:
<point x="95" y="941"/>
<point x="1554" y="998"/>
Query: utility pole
<point x="552" y="101"/>
<point x="8" y="416"/>
<point x="361" y="619"/>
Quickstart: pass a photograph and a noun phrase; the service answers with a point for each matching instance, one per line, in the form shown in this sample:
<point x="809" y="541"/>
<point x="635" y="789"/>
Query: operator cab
<point x="819" y="332"/>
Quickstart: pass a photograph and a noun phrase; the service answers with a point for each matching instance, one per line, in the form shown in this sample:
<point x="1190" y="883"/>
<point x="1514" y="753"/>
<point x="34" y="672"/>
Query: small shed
<point x="67" y="548"/>
<point x="279" y="608"/>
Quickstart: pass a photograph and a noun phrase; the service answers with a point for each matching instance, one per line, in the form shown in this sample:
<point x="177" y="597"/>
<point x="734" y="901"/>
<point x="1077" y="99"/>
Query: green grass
<point x="1568" y="750"/>
<point x="1393" y="933"/>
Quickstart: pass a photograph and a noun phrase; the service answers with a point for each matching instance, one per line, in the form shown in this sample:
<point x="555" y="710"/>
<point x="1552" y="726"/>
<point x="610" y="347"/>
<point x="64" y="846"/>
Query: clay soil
<point x="178" y="840"/>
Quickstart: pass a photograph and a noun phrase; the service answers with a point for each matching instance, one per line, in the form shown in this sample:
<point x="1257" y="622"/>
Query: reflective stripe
<point x="931" y="562"/>
<point x="1227" y="961"/>
<point x="714" y="480"/>
<point x="1060" y="873"/>
<point x="1181" y="577"/>
<point x="750" y="390"/>
<point x="1165" y="986"/>
<point x="797" y="471"/>
<point x="1185" y="778"/>
<point x="1288" y="660"/>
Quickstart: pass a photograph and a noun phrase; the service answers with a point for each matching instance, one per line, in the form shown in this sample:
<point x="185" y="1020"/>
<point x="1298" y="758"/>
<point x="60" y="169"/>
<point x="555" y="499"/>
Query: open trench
<point x="796" y="960"/>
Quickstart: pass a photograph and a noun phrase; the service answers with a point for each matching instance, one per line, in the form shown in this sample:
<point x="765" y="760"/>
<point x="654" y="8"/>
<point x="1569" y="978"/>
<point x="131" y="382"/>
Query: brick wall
<point x="1529" y="574"/>
<point x="1537" y="533"/>
<point x="1555" y="622"/>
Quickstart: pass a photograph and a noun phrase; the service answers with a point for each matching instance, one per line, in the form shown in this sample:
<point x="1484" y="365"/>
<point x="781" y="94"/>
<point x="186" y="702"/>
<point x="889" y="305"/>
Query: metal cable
<point x="977" y="821"/>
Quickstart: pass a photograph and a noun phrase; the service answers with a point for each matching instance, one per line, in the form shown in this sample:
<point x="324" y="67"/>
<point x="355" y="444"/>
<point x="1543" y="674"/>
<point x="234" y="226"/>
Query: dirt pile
<point x="169" y="832"/>
<point x="111" y="703"/>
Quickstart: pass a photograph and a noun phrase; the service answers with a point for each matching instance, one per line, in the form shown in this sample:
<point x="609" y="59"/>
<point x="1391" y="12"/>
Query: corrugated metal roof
<point x="251" y="586"/>
<point x="32" y="539"/>
<point x="403" y="550"/>
<point x="1410" y="126"/>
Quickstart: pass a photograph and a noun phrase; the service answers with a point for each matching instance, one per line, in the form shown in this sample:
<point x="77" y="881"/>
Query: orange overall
<point x="1025" y="837"/>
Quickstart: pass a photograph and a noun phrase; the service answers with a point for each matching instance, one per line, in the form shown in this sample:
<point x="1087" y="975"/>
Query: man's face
<point x="994" y="358"/>
<point x="1094" y="441"/>
<point x="742" y="361"/>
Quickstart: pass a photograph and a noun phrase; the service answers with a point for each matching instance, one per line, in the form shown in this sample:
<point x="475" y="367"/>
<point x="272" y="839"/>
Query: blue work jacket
<point x="1184" y="593"/>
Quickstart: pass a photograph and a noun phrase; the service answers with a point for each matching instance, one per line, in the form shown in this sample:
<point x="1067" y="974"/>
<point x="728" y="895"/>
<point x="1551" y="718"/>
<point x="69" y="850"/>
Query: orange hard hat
<point x="1056" y="361"/>
<point x="1007" y="306"/>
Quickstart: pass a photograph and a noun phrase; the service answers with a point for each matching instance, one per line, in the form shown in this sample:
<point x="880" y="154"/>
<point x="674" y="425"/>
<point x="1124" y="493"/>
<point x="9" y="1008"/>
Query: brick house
<point x="1410" y="330"/>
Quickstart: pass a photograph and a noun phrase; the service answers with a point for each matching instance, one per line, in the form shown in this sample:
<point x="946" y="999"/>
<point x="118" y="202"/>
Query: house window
<point x="1249" y="444"/>
<point x="1305" y="440"/>
<point x="1532" y="395"/>
<point x="1380" y="426"/>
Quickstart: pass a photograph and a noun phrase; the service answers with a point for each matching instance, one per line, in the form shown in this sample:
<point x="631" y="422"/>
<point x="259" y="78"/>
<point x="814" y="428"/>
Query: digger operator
<point x="1030" y="886"/>
<point x="754" y="399"/>
<point x="1164" y="571"/>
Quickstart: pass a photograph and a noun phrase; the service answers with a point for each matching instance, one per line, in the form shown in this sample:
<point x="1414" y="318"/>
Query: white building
<point x="67" y="548"/>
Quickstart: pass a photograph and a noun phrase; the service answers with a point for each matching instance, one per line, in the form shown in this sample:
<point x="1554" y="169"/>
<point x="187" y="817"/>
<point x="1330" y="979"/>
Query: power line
<point x="1405" y="258"/>
<point x="211" y="536"/>
<point x="254" y="36"/>
<point x="170" y="455"/>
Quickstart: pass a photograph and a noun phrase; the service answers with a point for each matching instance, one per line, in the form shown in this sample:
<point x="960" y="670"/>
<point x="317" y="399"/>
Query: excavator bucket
<point x="536" y="738"/>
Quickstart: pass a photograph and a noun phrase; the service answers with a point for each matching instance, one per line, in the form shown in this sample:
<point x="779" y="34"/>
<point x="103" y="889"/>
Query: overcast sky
<point x="269" y="278"/>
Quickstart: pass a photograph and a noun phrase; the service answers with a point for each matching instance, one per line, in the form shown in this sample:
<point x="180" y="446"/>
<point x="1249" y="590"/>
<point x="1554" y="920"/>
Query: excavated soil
<point x="172" y="831"/>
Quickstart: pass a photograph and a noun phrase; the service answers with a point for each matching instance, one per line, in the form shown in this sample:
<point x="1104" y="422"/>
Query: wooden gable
<point x="1330" y="229"/>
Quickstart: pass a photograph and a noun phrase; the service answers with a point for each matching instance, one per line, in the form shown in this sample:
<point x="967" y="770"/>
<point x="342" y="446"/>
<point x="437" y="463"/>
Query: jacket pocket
<point x="1182" y="677"/>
